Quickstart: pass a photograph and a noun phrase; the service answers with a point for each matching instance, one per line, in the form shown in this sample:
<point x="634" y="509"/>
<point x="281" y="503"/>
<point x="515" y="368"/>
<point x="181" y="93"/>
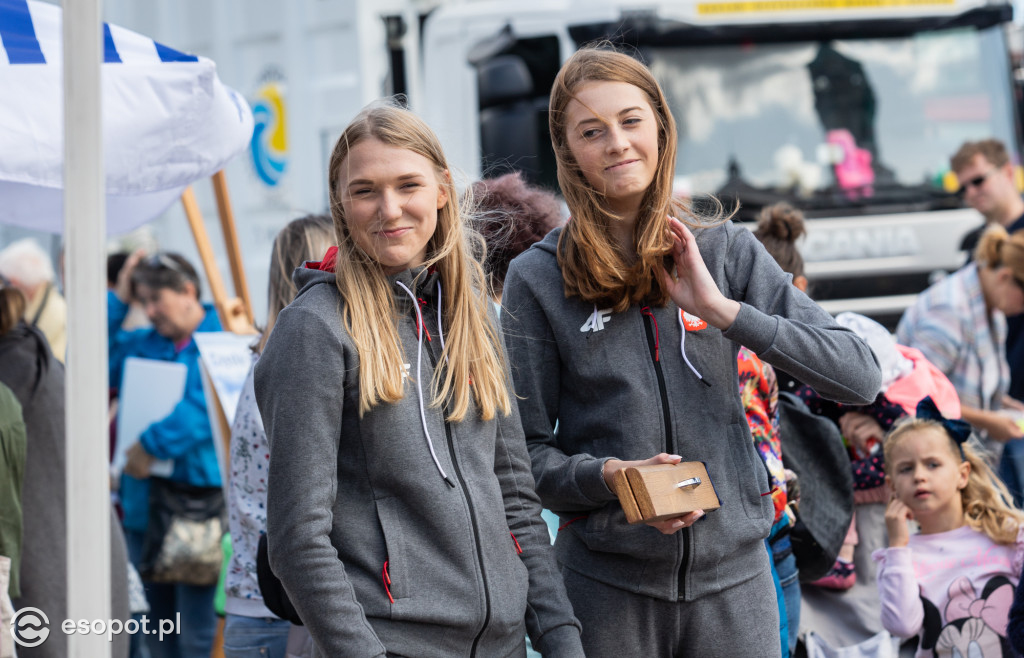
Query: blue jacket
<point x="185" y="434"/>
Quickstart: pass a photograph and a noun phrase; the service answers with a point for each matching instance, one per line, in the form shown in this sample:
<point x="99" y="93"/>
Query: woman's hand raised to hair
<point x="667" y="526"/>
<point x="123" y="287"/>
<point x="693" y="289"/>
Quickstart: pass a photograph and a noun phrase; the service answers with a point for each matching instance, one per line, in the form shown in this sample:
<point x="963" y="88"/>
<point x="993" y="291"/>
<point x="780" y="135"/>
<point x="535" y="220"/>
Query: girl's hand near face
<point x="896" y="516"/>
<point x="693" y="289"/>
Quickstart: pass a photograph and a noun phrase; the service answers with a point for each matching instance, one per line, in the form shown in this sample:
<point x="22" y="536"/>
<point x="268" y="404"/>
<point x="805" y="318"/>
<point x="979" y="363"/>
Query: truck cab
<point x="847" y="110"/>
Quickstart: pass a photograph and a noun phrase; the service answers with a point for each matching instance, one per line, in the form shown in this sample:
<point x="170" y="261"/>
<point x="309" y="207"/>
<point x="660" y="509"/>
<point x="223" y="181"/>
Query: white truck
<point x="848" y="109"/>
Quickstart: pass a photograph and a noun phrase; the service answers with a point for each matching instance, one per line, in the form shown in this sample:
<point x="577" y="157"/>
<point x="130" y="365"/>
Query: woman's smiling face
<point x="612" y="133"/>
<point x="390" y="196"/>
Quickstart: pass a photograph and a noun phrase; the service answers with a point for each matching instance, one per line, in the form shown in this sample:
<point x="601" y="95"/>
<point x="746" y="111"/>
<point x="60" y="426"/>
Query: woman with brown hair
<point x="401" y="513"/>
<point x="595" y="313"/>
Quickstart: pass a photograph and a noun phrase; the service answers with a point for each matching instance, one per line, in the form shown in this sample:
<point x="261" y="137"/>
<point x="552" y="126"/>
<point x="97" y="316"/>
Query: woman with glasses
<point x="959" y="324"/>
<point x="401" y="515"/>
<point x="167" y="287"/>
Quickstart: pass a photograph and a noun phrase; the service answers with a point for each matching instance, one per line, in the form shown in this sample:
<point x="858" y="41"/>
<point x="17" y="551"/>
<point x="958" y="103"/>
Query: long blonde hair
<point x="472" y="354"/>
<point x="593" y="266"/>
<point x="985" y="498"/>
<point x="302" y="239"/>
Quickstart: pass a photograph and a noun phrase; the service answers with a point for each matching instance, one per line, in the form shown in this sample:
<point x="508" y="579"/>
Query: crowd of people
<point x="424" y="456"/>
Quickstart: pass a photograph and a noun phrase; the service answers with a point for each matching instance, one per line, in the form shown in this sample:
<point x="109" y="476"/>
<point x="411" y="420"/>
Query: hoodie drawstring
<point x="419" y="385"/>
<point x="682" y="348"/>
<point x="646" y="310"/>
<point x="440" y="330"/>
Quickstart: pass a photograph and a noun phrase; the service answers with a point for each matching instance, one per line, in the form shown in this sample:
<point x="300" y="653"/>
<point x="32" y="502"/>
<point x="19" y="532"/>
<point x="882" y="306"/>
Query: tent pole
<point x="227" y="224"/>
<point x="230" y="310"/>
<point x="87" y="471"/>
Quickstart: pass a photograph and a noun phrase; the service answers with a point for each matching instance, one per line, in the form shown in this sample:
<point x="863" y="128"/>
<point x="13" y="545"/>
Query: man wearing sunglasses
<point x="986" y="179"/>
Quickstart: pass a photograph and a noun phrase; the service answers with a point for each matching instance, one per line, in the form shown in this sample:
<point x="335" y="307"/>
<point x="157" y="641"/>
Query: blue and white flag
<point x="167" y="121"/>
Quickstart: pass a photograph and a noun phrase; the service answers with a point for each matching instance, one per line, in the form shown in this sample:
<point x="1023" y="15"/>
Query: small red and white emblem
<point x="692" y="322"/>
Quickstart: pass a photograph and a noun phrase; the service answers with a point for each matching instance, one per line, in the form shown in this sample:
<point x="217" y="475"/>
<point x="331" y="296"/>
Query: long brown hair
<point x="12" y="307"/>
<point x="984" y="498"/>
<point x="593" y="266"/>
<point x="474" y="361"/>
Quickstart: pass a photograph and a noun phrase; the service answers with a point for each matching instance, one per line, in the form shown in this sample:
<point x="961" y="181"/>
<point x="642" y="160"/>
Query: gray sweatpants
<point x="740" y="622"/>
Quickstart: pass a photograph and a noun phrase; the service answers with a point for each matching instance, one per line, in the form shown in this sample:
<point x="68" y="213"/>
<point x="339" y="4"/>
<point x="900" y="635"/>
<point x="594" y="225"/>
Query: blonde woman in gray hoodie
<point x="402" y="518"/>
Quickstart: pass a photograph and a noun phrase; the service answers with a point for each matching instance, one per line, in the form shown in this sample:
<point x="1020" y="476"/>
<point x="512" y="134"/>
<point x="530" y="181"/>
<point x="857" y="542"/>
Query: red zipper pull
<point x="387" y="581"/>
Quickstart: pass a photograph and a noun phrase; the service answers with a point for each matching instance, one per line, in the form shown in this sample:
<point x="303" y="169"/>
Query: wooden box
<point x="663" y="491"/>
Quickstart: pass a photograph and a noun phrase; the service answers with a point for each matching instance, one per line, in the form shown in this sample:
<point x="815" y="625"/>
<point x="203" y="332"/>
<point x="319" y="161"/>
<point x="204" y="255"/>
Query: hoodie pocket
<point x="607" y="530"/>
<point x="396" y="574"/>
<point x="750" y="472"/>
<point x="510" y="589"/>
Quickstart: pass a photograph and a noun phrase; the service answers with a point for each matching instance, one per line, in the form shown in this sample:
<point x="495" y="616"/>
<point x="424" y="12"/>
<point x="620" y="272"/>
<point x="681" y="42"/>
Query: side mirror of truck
<point x="502" y="80"/>
<point x="509" y="135"/>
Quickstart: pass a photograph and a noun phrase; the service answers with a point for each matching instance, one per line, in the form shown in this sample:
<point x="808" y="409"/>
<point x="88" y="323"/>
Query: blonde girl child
<point x="952" y="584"/>
<point x="639" y="366"/>
<point x="401" y="518"/>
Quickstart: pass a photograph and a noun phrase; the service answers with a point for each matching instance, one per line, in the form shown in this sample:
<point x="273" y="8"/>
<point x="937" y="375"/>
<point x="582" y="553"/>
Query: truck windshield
<point x="835" y="125"/>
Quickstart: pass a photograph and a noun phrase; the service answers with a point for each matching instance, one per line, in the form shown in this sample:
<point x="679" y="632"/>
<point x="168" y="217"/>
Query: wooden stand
<point x="663" y="491"/>
<point x="235" y="312"/>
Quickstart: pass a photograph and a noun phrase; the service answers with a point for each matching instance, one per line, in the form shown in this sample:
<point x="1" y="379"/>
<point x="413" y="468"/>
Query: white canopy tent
<point x="167" y="120"/>
<point x="140" y="128"/>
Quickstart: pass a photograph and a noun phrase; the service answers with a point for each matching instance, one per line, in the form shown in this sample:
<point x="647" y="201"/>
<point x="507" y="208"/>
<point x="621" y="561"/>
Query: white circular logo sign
<point x="29" y="627"/>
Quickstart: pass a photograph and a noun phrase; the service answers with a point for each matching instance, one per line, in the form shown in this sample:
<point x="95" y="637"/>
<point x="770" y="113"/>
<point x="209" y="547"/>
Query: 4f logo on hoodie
<point x="596" y="320"/>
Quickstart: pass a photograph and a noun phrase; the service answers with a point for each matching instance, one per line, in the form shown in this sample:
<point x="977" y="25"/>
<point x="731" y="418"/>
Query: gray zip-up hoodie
<point x="382" y="548"/>
<point x="620" y="386"/>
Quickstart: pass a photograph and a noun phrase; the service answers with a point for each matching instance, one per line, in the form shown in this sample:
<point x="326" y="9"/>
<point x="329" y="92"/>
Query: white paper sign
<point x="150" y="390"/>
<point x="226" y="358"/>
